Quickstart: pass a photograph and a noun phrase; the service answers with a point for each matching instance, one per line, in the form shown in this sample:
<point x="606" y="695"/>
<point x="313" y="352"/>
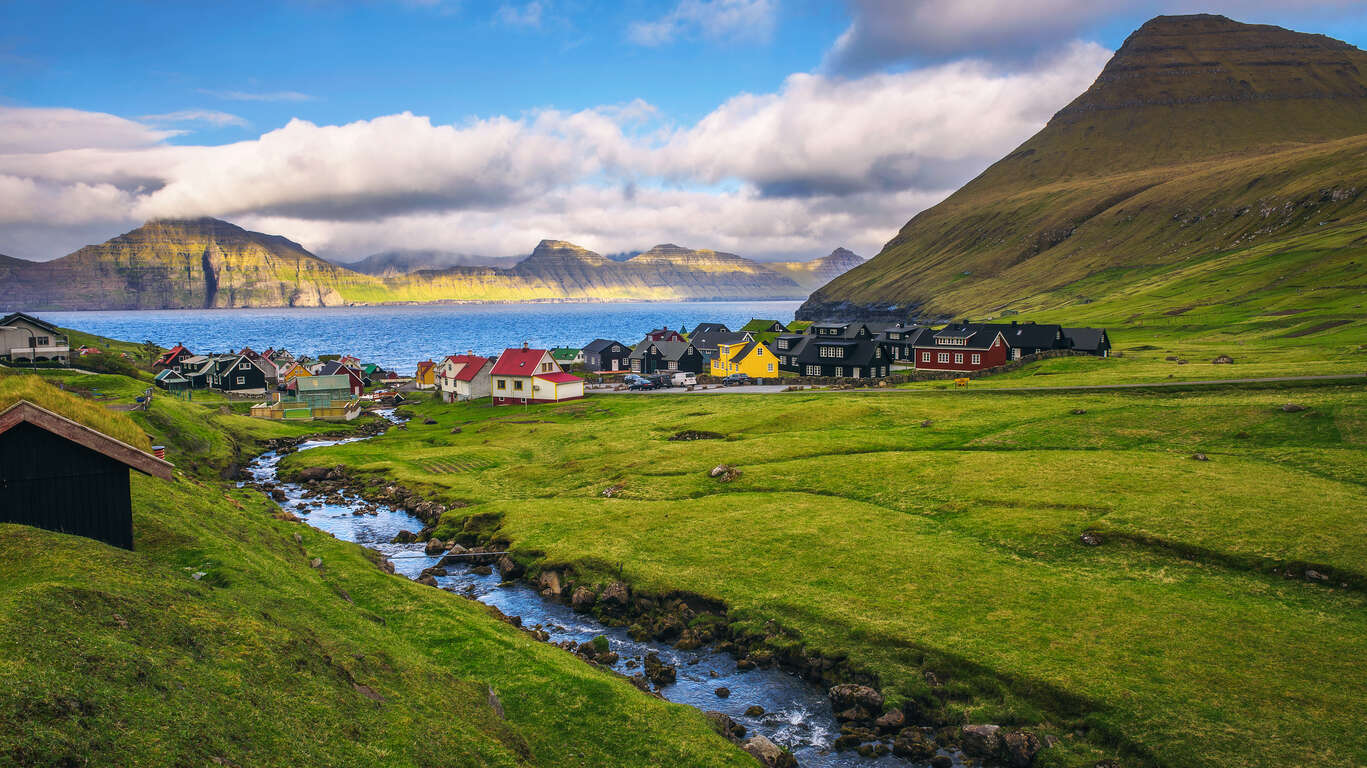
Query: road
<point x="772" y="388"/>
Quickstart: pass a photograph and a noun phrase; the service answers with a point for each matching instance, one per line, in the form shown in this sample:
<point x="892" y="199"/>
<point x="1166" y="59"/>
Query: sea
<point x="398" y="337"/>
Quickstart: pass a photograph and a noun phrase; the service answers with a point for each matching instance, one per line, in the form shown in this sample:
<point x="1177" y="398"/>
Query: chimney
<point x="524" y="345"/>
<point x="1013" y="323"/>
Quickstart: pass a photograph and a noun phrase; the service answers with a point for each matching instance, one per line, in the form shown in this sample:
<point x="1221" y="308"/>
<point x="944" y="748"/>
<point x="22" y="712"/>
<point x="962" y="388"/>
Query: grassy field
<point x="218" y="642"/>
<point x="940" y="531"/>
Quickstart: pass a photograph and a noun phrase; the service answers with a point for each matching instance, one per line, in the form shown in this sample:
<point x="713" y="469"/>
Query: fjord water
<point x="397" y="337"/>
<point x="797" y="715"/>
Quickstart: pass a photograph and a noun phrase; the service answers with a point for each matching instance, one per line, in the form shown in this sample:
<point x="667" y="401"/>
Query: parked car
<point x="737" y="379"/>
<point x="641" y="383"/>
<point x="684" y="379"/>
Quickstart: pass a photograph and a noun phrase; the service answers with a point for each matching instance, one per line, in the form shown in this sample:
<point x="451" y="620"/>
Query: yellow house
<point x="749" y="357"/>
<point x="294" y="371"/>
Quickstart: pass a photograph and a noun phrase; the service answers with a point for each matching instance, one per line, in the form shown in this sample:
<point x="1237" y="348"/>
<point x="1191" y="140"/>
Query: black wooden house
<point x="64" y="476"/>
<point x="834" y="350"/>
<point x="666" y="356"/>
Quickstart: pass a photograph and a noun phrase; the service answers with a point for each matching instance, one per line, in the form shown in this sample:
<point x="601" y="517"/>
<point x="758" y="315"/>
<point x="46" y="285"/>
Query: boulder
<point x="312" y="474"/>
<point x="1222" y="360"/>
<point x="723" y="724"/>
<point x="1292" y="408"/>
<point x="849" y="695"/>
<point x="615" y="597"/>
<point x="689" y="641"/>
<point x="723" y="692"/>
<point x="428" y="581"/>
<point x="434" y="547"/>
<point x="316" y="562"/>
<point x="1091" y="539"/>
<point x="724" y="472"/>
<point x="657" y="671"/>
<point x="1019" y="748"/>
<point x="549" y="581"/>
<point x="891" y="721"/>
<point x="913" y="746"/>
<point x="768" y="753"/>
<point x="583" y="598"/>
<point x="754" y="710"/>
<point x="669" y="626"/>
<point x="509" y="568"/>
<point x="941" y="761"/>
<point x="1200" y="457"/>
<point x="981" y="740"/>
<point x="852" y="715"/>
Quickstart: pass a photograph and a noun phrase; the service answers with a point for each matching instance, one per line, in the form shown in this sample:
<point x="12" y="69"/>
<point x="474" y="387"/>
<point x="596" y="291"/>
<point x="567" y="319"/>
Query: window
<point x="673" y="365"/>
<point x="759" y="351"/>
<point x="977" y="359"/>
<point x="517" y="385"/>
<point x="243" y="366"/>
<point x="830" y="352"/>
<point x="942" y="357"/>
<point x="40" y="341"/>
<point x="813" y="370"/>
<point x="855" y="374"/>
<point x="241" y="379"/>
<point x="771" y="367"/>
<point x="925" y="357"/>
<point x="958" y="357"/>
<point x="500" y="384"/>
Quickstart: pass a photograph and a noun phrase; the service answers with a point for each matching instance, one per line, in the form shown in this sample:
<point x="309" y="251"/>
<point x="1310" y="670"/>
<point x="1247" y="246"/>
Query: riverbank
<point x="937" y="543"/>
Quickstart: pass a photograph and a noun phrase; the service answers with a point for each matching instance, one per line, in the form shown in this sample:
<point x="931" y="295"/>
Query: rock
<point x="1079" y="411"/>
<point x="312" y="474"/>
<point x="428" y="581"/>
<point x="689" y="641"/>
<point x="941" y="761"/>
<point x="723" y="724"/>
<point x="1019" y="748"/>
<point x="926" y="423"/>
<point x="278" y="494"/>
<point x="891" y="721"/>
<point x="1314" y="575"/>
<point x="1292" y="408"/>
<point x="482" y="570"/>
<point x="1091" y="539"/>
<point x="1222" y="360"/>
<point x="724" y="472"/>
<point x="298" y="539"/>
<point x="640" y="681"/>
<point x="583" y="598"/>
<point x="754" y="710"/>
<point x="669" y="626"/>
<point x="615" y="597"/>
<point x="509" y="568"/>
<point x="768" y="753"/>
<point x="913" y="746"/>
<point x="745" y="665"/>
<point x="981" y="740"/>
<point x="850" y="695"/>
<point x="434" y="547"/>
<point x="723" y="692"/>
<point x="852" y="715"/>
<point x="613" y="490"/>
<point x="316" y="562"/>
<point x="429" y="421"/>
<point x="657" y="671"/>
<point x="1200" y="457"/>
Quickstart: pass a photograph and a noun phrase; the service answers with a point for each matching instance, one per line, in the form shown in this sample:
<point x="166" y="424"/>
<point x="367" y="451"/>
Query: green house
<point x="321" y="391"/>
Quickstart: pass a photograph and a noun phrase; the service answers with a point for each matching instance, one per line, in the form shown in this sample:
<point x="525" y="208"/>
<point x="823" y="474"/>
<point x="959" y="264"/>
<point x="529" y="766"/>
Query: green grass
<point x="15" y="387"/>
<point x="955" y="547"/>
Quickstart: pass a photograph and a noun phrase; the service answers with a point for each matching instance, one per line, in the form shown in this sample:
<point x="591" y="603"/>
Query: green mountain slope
<point x="1202" y="138"/>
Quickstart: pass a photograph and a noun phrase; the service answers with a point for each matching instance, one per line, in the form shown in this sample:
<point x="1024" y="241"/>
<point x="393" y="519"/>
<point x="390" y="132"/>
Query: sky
<point x="776" y="129"/>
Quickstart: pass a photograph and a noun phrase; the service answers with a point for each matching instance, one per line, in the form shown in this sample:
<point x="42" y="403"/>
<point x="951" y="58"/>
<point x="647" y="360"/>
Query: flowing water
<point x="797" y="714"/>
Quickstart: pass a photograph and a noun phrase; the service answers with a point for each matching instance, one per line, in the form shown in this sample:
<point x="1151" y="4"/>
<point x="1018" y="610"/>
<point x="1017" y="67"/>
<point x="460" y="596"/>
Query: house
<point x="568" y="356"/>
<point x="963" y="346"/>
<point x="531" y="376"/>
<point x="708" y="340"/>
<point x="63" y="476"/>
<point x="313" y="397"/>
<point x="606" y="356"/>
<point x="170" y="380"/>
<point x="1030" y="338"/>
<point x="834" y="350"/>
<point x="664" y="334"/>
<point x="657" y="356"/>
<point x="901" y="340"/>
<point x="707" y="328"/>
<point x="1093" y="341"/>
<point x="426" y="377"/>
<point x="321" y="391"/>
<point x="172" y="358"/>
<point x="757" y="325"/>
<point x="292" y="371"/>
<point x="464" y="377"/>
<point x="84" y="350"/>
<point x="197" y="370"/>
<point x="336" y="368"/>
<point x="238" y="373"/>
<point x="749" y="357"/>
<point x="24" y="337"/>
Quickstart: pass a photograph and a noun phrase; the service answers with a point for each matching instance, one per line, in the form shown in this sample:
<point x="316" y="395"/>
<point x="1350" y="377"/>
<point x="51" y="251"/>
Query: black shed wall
<point x="50" y="482"/>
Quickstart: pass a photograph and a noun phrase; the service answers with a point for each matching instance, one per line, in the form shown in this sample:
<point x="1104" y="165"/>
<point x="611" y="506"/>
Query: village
<point x="710" y="356"/>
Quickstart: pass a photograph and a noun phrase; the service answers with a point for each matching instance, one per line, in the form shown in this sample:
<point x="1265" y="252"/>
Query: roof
<point x="669" y="350"/>
<point x="975" y="335"/>
<point x="564" y="353"/>
<point x="172" y="354"/>
<point x="25" y="412"/>
<point x="518" y="362"/>
<point x="863" y="353"/>
<point x="169" y="374"/>
<point x="598" y="345"/>
<point x="30" y="319"/>
<point x="558" y="378"/>
<point x="321" y="383"/>
<point x="470" y="366"/>
<point x="757" y="324"/>
<point x="426" y="365"/>
<point x="1034" y="335"/>
<point x="709" y="328"/>
<point x="1086" y="338"/>
<point x="710" y="339"/>
<point x="335" y="367"/>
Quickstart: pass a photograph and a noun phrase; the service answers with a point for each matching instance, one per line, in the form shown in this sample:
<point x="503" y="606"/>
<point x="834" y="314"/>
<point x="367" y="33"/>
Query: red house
<point x="531" y="376"/>
<point x="664" y="334"/>
<point x="962" y="347"/>
<point x="171" y="358"/>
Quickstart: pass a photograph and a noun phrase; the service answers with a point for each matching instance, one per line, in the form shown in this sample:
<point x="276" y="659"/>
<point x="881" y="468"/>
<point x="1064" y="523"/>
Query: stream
<point x="797" y="714"/>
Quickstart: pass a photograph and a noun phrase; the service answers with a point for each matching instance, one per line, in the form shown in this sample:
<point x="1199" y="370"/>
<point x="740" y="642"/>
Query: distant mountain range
<point x="1211" y="163"/>
<point x="208" y="263"/>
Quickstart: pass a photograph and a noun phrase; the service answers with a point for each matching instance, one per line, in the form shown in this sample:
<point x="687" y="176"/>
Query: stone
<point x="725" y="473"/>
<point x="549" y="581"/>
<point x="754" y="710"/>
<point x="1091" y="539"/>
<point x="1079" y="411"/>
<point x="926" y="423"/>
<point x="723" y="692"/>
<point x="428" y="581"/>
<point x="1315" y="575"/>
<point x="313" y="474"/>
<point x="509" y="568"/>
<point x="583" y="598"/>
<point x="745" y="665"/>
<point x="852" y="715"/>
<point x="657" y="671"/>
<point x="1200" y="457"/>
<point x="405" y="537"/>
<point x="669" y="626"/>
<point x="434" y="547"/>
<point x="941" y="761"/>
<point x="913" y="746"/>
<point x="1292" y="408"/>
<point x="723" y="724"/>
<point x="891" y="721"/>
<point x="1222" y="360"/>
<point x="769" y="754"/>
<point x="981" y="740"/>
<point x="689" y="641"/>
<point x="615" y="597"/>
<point x="1019" y="748"/>
<point x="640" y="682"/>
<point x="316" y="562"/>
<point x="849" y="695"/>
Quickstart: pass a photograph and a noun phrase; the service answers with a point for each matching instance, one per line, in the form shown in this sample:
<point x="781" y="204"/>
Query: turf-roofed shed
<point x="59" y="474"/>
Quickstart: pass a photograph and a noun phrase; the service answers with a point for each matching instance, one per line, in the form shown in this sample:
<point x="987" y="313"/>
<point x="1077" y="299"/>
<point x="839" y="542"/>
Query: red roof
<point x="470" y="366"/>
<point x="424" y="365"/>
<point x="518" y="362"/>
<point x="558" y="378"/>
<point x="171" y="354"/>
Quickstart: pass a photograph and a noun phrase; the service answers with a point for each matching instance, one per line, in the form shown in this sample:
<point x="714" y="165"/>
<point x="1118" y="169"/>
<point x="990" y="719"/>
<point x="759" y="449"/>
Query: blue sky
<point x="656" y="119"/>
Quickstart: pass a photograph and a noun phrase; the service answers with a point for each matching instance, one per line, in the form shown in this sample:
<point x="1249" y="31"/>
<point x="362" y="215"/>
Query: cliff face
<point x="1201" y="135"/>
<point x="817" y="272"/>
<point x="403" y="262"/>
<point x="179" y="264"/>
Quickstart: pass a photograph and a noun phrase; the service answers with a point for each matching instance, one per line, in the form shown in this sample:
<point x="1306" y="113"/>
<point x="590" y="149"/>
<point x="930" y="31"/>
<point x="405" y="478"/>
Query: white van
<point x="684" y="379"/>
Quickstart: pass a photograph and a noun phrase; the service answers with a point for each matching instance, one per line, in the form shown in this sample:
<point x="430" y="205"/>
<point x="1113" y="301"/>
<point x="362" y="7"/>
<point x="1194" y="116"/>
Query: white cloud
<point x="824" y="161"/>
<point x="254" y="96"/>
<point x="890" y="31"/>
<point x="51" y="129"/>
<point x="526" y="15"/>
<point x="718" y="20"/>
<point x="210" y="116"/>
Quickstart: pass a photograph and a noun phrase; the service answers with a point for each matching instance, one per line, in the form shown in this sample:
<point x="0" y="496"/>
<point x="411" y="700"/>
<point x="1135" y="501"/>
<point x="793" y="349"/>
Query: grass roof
<point x="16" y="387"/>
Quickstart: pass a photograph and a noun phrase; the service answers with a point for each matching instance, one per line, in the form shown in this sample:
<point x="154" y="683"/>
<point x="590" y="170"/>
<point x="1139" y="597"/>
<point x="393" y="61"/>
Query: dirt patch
<point x="1283" y="312"/>
<point x="1179" y="311"/>
<point x="1315" y="328"/>
<point x="696" y="434"/>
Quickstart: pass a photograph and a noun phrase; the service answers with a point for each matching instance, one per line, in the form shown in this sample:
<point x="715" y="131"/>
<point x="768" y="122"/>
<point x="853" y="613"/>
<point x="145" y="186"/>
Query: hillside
<point x="403" y="262"/>
<point x="817" y="272"/>
<point x="1207" y="150"/>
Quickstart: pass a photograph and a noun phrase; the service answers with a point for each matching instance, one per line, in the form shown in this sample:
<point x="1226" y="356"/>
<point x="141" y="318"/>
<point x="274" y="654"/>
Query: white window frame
<point x="977" y="359"/>
<point x="925" y="357"/>
<point x="241" y="379"/>
<point x="942" y="357"/>
<point x="958" y="358"/>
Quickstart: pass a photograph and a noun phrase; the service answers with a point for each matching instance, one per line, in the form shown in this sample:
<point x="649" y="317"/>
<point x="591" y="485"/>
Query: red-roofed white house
<point x="463" y="377"/>
<point x="531" y="376"/>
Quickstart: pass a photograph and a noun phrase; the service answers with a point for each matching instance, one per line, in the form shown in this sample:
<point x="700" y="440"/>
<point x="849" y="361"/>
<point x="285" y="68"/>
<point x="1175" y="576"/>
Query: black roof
<point x="669" y="350"/>
<point x="1087" y="339"/>
<point x="710" y="328"/>
<point x="710" y="339"/>
<point x="863" y="353"/>
<point x="598" y="345"/>
<point x="975" y="335"/>
<point x="1036" y="335"/>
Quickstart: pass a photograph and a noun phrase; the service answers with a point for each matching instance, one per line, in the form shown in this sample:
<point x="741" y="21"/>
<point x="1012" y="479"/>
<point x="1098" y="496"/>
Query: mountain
<point x="183" y="263"/>
<point x="1210" y="162"/>
<point x="817" y="272"/>
<point x="402" y="262"/>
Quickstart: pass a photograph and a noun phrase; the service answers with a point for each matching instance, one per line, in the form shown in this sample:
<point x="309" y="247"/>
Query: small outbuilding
<point x="63" y="476"/>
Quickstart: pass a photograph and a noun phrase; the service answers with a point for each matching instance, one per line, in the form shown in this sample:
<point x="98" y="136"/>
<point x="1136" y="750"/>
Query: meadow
<point x="934" y="539"/>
